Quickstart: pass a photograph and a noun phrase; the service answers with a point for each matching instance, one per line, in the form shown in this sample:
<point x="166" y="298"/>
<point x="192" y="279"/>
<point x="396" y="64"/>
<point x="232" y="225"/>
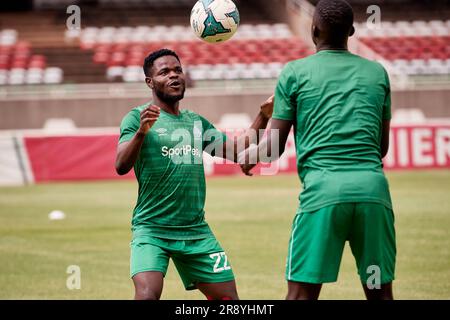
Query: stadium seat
<point x="53" y="75"/>
<point x="114" y="73"/>
<point x="72" y="34"/>
<point x="230" y="121"/>
<point x="408" y="116"/>
<point x="133" y="74"/>
<point x="8" y="37"/>
<point x="3" y="77"/>
<point x="198" y="73"/>
<point x="220" y="58"/>
<point x="17" y="76"/>
<point x="59" y="125"/>
<point x="34" y="76"/>
<point x="260" y="71"/>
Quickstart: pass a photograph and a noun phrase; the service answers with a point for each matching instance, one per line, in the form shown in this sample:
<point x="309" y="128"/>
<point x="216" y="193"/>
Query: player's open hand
<point x="148" y="118"/>
<point x="267" y="107"/>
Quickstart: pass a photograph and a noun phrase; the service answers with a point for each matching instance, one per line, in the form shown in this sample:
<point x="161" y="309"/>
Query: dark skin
<point x="167" y="82"/>
<point x="324" y="41"/>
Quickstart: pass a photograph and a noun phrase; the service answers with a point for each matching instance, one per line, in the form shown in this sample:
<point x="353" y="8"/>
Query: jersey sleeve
<point x="130" y="124"/>
<point x="285" y="107"/>
<point x="387" y="115"/>
<point x="212" y="138"/>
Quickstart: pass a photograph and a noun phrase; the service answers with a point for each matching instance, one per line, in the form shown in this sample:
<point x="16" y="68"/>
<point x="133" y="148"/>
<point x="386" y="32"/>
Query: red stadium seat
<point x="409" y="48"/>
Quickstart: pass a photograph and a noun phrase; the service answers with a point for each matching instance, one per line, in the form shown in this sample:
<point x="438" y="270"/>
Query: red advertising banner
<point x="91" y="157"/>
<point x="72" y="157"/>
<point x="419" y="147"/>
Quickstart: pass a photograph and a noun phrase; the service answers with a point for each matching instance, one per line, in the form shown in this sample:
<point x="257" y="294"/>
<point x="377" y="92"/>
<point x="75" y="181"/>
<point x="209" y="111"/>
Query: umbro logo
<point x="161" y="131"/>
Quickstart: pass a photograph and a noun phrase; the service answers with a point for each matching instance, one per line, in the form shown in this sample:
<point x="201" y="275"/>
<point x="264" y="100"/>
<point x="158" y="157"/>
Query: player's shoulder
<point x="137" y="110"/>
<point x="299" y="66"/>
<point x="375" y="65"/>
<point x="294" y="64"/>
<point x="134" y="114"/>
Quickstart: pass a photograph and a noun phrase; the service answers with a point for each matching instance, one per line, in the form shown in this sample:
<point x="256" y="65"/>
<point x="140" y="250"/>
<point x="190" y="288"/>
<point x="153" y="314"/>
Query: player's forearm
<point x="251" y="136"/>
<point x="128" y="152"/>
<point x="268" y="150"/>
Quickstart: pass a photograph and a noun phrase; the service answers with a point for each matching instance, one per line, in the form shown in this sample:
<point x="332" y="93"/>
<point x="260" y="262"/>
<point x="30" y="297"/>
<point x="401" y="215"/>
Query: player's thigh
<point x="219" y="291"/>
<point x="316" y="244"/>
<point x="373" y="244"/>
<point x="203" y="261"/>
<point x="148" y="285"/>
<point x="148" y="254"/>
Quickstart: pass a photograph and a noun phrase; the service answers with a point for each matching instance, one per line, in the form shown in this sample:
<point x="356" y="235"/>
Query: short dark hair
<point x="148" y="62"/>
<point x="335" y="16"/>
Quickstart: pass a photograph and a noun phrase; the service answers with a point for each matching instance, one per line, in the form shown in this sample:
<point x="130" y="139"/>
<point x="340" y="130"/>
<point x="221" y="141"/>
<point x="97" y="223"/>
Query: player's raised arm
<point x="128" y="151"/>
<point x="271" y="147"/>
<point x="233" y="147"/>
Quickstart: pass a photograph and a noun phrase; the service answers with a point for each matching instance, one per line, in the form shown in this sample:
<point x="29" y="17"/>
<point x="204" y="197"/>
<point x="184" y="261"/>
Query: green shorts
<point x="196" y="260"/>
<point x="318" y="238"/>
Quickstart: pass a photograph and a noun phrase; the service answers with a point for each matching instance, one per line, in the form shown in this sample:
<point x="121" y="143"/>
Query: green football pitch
<point x="250" y="216"/>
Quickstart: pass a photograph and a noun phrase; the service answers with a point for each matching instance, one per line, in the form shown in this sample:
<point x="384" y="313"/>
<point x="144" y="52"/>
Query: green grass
<point x="250" y="216"/>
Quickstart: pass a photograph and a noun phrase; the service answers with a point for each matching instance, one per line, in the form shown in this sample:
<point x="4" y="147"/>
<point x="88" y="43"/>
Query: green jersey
<point x="170" y="174"/>
<point x="337" y="102"/>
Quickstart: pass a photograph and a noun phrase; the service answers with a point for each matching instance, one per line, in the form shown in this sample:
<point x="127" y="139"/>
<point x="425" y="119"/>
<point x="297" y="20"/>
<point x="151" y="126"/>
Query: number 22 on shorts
<point x="218" y="257"/>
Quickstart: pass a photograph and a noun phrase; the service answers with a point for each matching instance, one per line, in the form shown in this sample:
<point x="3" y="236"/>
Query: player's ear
<point x="352" y="31"/>
<point x="315" y="33"/>
<point x="149" y="82"/>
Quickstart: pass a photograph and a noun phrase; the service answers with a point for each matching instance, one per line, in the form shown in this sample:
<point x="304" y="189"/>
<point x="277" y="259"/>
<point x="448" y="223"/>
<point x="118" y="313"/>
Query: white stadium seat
<point x="17" y="76"/>
<point x="233" y="72"/>
<point x="113" y="73"/>
<point x="8" y="37"/>
<point x="408" y="116"/>
<point x="198" y="73"/>
<point x="34" y="76"/>
<point x="436" y="66"/>
<point x="53" y="75"/>
<point x="234" y="121"/>
<point x="3" y="77"/>
<point x="72" y="34"/>
<point x="59" y="125"/>
<point x="216" y="72"/>
<point x="133" y="74"/>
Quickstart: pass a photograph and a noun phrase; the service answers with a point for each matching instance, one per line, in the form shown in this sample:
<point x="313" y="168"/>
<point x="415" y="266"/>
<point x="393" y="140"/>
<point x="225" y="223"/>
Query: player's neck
<point x="328" y="46"/>
<point x="168" y="107"/>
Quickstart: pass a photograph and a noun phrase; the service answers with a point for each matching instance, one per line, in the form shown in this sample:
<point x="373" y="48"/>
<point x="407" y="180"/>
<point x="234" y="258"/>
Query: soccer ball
<point x="215" y="20"/>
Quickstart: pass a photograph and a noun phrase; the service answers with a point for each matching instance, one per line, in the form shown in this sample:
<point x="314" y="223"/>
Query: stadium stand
<point x="118" y="36"/>
<point x="257" y="52"/>
<point x="416" y="48"/>
<point x="414" y="40"/>
<point x="18" y="65"/>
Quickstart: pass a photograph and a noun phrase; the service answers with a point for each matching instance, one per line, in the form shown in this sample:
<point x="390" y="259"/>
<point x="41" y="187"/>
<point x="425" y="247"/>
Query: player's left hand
<point x="267" y="107"/>
<point x="246" y="168"/>
<point x="248" y="159"/>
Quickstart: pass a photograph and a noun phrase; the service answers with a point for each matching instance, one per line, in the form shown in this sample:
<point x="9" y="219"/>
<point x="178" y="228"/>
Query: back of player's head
<point x="334" y="17"/>
<point x="148" y="62"/>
